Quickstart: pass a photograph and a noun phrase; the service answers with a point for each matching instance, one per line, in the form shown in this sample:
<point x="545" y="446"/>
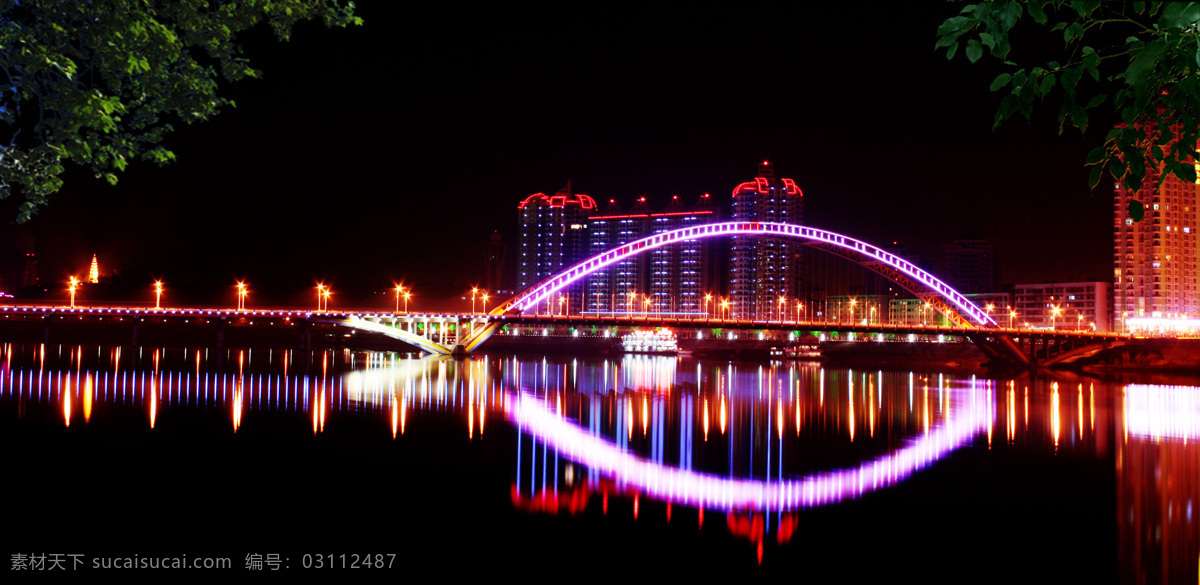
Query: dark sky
<point x="391" y="151"/>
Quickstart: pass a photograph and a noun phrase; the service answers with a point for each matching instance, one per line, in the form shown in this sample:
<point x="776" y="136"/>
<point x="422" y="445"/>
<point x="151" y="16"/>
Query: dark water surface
<point x="569" y="467"/>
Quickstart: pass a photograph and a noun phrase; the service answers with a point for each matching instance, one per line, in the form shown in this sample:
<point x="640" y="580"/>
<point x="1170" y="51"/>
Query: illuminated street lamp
<point x="320" y="295"/>
<point x="158" y="295"/>
<point x="399" y="289"/>
<point x="647" y="303"/>
<point x="632" y="298"/>
<point x="326" y="295"/>
<point x="781" y="301"/>
<point x="1054" y="311"/>
<point x="562" y="299"/>
<point x="707" y="297"/>
<point x="1011" y="315"/>
<point x="988" y="310"/>
<point x="1079" y="322"/>
<point x="406" y="297"/>
<point x="925" y="315"/>
<point x="485" y="298"/>
<point x="725" y="309"/>
<point x="871" y="317"/>
<point x="72" y="285"/>
<point x="852" y="303"/>
<point x="799" y="307"/>
<point x="474" y="291"/>
<point x="241" y="287"/>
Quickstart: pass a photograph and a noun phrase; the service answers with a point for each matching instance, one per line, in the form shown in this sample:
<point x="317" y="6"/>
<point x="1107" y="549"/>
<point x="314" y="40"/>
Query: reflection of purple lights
<point x="971" y="415"/>
<point x="1162" y="411"/>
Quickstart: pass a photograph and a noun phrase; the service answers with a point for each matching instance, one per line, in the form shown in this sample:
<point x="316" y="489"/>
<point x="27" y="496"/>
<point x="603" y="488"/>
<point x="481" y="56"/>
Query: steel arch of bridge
<point x="947" y="301"/>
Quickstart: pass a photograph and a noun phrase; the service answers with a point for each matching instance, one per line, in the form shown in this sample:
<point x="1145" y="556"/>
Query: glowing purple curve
<point x="693" y="488"/>
<point x="531" y="297"/>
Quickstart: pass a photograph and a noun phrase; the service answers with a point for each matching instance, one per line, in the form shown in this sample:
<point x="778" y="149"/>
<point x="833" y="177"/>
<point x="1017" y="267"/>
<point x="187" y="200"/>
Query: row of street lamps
<point x="724" y="305"/>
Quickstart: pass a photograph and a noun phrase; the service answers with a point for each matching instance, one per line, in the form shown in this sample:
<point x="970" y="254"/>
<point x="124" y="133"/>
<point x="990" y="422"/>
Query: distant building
<point x="970" y="266"/>
<point x="674" y="278"/>
<point x="761" y="270"/>
<point x="553" y="235"/>
<point x="1155" y="272"/>
<point x="30" y="276"/>
<point x="1080" y="305"/>
<point x="495" y="282"/>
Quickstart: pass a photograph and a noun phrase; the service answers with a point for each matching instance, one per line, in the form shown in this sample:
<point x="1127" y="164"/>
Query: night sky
<point x="390" y="152"/>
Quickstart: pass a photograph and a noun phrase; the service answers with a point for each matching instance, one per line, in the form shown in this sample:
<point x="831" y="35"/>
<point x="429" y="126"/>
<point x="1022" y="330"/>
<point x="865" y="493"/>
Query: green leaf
<point x="1046" y="85"/>
<point x="1187" y="173"/>
<point x="974" y="50"/>
<point x="1035" y="10"/>
<point x="1009" y="14"/>
<point x="1096" y="155"/>
<point x="1094" y="177"/>
<point x="1000" y="81"/>
<point x="1136" y="210"/>
<point x="1143" y="64"/>
<point x="987" y="40"/>
<point x="951" y="51"/>
<point x="1095" y="101"/>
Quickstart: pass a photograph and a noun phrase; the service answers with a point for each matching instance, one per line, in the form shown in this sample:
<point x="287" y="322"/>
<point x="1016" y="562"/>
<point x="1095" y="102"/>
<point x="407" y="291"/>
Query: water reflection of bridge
<point x="620" y="435"/>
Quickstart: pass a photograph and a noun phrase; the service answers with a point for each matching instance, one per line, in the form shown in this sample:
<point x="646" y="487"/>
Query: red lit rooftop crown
<point x="563" y="198"/>
<point x="766" y="181"/>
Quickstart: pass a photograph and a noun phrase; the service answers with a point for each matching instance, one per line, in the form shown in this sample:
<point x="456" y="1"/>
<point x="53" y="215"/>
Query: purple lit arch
<point x="925" y="286"/>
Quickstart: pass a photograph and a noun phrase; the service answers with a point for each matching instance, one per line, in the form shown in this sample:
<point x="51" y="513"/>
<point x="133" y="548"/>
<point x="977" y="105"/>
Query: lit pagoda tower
<point x="94" y="271"/>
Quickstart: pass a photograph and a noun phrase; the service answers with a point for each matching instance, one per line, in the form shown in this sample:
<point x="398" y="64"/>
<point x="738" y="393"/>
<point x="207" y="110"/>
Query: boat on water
<point x="661" y="341"/>
<point x="798" y="351"/>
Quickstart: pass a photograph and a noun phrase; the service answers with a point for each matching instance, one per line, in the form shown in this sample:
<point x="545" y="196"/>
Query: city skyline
<point x="328" y="171"/>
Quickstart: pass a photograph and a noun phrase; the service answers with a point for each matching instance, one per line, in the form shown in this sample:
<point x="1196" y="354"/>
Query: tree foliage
<point x="100" y="83"/>
<point x="1139" y="59"/>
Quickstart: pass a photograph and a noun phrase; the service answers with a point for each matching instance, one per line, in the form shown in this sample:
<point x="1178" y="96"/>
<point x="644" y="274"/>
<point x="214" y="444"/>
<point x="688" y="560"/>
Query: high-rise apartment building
<point x="670" y="279"/>
<point x="1155" y="259"/>
<point x="553" y="235"/>
<point x="764" y="269"/>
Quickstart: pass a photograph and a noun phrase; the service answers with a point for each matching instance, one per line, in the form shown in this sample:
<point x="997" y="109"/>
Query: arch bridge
<point x="967" y="318"/>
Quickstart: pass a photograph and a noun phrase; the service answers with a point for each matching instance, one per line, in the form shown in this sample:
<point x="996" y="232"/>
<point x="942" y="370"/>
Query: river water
<point x="368" y="462"/>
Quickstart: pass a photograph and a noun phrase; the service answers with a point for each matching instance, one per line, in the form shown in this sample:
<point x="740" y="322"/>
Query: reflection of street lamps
<point x="71" y="286"/>
<point x="157" y="295"/>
